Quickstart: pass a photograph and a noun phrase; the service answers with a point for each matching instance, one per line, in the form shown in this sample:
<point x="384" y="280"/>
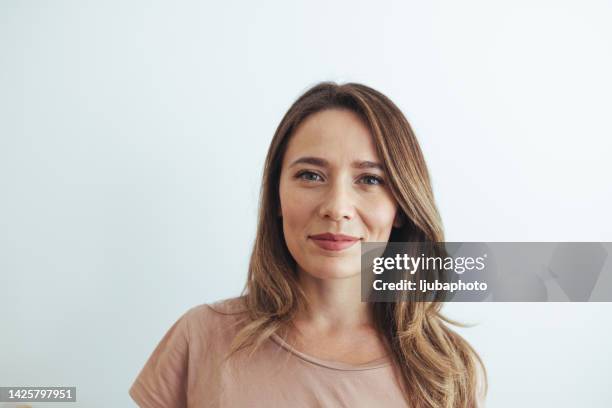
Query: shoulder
<point x="215" y="318"/>
<point x="234" y="305"/>
<point x="193" y="342"/>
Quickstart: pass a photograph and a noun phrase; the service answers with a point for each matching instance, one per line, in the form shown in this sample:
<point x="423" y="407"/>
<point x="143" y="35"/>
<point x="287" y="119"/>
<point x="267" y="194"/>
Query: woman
<point x="344" y="167"/>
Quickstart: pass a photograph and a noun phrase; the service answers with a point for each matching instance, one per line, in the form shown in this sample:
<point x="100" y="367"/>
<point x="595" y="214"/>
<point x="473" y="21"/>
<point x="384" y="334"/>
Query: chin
<point x="333" y="270"/>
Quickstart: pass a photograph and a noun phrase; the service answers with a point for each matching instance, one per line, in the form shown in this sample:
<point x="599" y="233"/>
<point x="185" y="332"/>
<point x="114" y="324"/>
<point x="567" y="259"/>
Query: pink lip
<point x="334" y="242"/>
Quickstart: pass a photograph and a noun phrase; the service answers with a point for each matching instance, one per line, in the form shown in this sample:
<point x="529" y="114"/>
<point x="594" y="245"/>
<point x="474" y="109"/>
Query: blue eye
<point x="376" y="180"/>
<point x="311" y="176"/>
<point x="301" y="174"/>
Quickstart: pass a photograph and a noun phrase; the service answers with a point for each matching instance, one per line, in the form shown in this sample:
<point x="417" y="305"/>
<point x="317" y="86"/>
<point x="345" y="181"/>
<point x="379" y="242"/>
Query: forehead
<point x="335" y="134"/>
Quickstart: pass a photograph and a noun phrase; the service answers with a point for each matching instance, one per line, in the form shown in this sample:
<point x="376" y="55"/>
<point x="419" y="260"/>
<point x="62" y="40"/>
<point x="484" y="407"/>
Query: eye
<point x="308" y="176"/>
<point x="372" y="180"/>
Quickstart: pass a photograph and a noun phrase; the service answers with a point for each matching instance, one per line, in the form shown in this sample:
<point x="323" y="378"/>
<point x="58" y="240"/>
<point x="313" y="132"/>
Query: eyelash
<point x="379" y="180"/>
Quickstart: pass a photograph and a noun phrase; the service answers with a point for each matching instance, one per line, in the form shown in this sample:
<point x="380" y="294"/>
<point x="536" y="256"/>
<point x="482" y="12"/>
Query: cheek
<point x="296" y="208"/>
<point x="294" y="216"/>
<point x="380" y="214"/>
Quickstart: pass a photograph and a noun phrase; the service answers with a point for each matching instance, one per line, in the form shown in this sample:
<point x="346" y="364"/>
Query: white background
<point x="133" y="135"/>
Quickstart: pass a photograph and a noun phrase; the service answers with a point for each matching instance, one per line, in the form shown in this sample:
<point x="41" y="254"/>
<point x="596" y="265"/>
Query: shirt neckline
<point x="336" y="365"/>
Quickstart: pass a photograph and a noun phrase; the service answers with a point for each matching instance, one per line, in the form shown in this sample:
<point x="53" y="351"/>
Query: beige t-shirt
<point x="186" y="370"/>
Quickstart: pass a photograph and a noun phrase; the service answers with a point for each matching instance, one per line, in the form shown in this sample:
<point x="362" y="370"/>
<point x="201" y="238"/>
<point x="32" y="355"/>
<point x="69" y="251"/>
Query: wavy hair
<point x="439" y="369"/>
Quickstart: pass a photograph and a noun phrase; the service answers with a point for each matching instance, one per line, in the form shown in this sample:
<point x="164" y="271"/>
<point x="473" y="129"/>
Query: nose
<point x="338" y="203"/>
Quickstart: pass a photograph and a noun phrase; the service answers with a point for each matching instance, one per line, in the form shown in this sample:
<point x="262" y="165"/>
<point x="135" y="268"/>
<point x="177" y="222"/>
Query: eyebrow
<point x="317" y="161"/>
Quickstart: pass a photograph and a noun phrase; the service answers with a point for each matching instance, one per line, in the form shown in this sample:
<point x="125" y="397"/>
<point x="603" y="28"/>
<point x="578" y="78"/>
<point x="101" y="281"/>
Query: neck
<point x="333" y="303"/>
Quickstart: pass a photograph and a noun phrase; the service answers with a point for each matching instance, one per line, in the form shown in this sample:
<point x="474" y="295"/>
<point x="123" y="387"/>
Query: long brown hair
<point x="438" y="367"/>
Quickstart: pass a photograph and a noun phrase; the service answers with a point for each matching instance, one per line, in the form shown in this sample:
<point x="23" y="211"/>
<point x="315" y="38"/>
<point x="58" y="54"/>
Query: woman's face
<point x="331" y="182"/>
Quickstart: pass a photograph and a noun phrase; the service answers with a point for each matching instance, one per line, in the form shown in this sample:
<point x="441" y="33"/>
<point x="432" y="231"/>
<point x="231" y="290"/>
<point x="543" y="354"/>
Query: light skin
<point x="332" y="181"/>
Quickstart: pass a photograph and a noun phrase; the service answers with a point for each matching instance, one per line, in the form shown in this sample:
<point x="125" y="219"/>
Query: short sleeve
<point x="162" y="382"/>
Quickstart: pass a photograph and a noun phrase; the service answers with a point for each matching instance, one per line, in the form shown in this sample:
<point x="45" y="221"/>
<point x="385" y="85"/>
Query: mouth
<point x="334" y="242"/>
